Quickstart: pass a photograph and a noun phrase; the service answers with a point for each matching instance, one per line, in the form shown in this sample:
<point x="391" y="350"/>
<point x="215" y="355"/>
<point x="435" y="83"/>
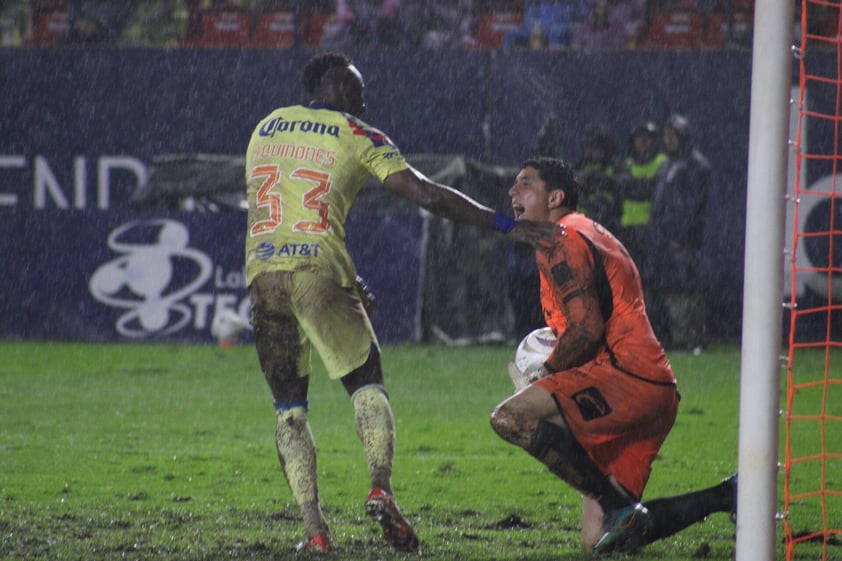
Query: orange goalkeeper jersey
<point x="621" y="403"/>
<point x="587" y="252"/>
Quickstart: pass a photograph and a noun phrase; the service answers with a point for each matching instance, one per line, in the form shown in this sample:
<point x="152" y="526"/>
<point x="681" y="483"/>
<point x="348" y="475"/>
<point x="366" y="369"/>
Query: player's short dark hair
<point x="557" y="174"/>
<point x="317" y="67"/>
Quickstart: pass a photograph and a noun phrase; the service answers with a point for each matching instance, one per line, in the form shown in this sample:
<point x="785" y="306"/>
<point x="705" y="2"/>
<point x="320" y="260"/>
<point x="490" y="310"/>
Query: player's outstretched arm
<point x="449" y="203"/>
<point x="534" y="233"/>
<point x="439" y="199"/>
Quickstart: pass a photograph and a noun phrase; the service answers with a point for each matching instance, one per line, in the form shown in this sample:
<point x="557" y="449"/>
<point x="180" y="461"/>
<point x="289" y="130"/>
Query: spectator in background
<point x="350" y="26"/>
<point x="441" y="24"/>
<point x="610" y="25"/>
<point x="367" y="24"/>
<point x="637" y="186"/>
<point x="15" y="21"/>
<point x="97" y="22"/>
<point x="546" y="24"/>
<point x="155" y="24"/>
<point x="338" y="31"/>
<point x="388" y="25"/>
<point x="596" y="171"/>
<point x="673" y="275"/>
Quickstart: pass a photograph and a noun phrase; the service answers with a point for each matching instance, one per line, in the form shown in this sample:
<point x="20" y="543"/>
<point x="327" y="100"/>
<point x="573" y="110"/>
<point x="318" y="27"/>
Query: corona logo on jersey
<point x="280" y="125"/>
<point x="156" y="278"/>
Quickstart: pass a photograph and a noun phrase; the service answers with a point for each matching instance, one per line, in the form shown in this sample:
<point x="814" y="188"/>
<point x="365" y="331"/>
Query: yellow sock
<point x="376" y="429"/>
<point x="297" y="454"/>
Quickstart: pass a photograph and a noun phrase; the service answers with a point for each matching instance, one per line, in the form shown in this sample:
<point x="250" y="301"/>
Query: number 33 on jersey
<point x="305" y="166"/>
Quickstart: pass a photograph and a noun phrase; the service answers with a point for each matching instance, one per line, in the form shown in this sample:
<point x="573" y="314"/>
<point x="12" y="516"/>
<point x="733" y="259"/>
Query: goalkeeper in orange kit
<point x="604" y="401"/>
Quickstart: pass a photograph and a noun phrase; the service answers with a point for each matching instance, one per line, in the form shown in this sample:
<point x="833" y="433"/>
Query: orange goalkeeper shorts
<point x="620" y="420"/>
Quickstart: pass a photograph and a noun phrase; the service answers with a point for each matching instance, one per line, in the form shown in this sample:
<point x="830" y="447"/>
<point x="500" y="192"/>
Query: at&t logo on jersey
<point x="267" y="250"/>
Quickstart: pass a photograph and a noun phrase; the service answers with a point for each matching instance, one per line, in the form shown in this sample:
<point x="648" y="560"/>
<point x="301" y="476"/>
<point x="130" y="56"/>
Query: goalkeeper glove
<point x="516" y="376"/>
<point x="523" y="379"/>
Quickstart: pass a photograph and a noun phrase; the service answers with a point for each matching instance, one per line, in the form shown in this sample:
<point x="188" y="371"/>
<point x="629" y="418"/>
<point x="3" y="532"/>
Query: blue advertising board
<point x="80" y="129"/>
<point x="164" y="276"/>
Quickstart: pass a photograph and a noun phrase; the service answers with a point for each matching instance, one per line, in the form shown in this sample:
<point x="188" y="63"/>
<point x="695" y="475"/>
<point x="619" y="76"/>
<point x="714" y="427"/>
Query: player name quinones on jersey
<point x="273" y="126"/>
<point x="268" y="250"/>
<point x="292" y="151"/>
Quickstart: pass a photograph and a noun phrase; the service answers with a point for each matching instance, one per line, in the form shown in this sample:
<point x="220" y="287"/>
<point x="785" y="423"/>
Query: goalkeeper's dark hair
<point x="319" y="65"/>
<point x="557" y="174"/>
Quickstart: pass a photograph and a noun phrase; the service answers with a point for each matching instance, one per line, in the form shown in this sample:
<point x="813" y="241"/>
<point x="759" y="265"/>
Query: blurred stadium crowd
<point x="587" y="25"/>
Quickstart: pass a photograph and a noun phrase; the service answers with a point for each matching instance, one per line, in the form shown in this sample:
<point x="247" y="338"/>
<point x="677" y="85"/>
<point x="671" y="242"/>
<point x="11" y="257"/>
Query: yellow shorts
<point x="293" y="312"/>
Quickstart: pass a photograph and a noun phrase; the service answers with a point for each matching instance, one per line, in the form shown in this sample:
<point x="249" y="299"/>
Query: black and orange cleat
<point x="624" y="529"/>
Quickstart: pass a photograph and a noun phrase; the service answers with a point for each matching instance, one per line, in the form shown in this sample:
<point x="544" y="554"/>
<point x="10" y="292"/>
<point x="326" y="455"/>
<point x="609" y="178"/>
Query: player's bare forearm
<point x="574" y="348"/>
<point x="454" y="205"/>
<point x="534" y="233"/>
<point x="585" y="330"/>
<point x="449" y="203"/>
<point x="439" y="199"/>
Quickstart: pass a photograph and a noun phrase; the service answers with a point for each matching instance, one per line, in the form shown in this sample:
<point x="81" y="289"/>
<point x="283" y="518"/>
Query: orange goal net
<point x="812" y="513"/>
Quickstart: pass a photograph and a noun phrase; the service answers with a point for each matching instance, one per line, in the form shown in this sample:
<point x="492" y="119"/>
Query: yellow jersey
<point x="304" y="167"/>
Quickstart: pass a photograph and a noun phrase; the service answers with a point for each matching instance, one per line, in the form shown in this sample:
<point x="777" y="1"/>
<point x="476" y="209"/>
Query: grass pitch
<point x="166" y="452"/>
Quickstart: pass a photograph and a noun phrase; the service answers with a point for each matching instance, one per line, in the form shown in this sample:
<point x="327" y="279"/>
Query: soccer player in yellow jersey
<point x="305" y="165"/>
<point x="601" y="405"/>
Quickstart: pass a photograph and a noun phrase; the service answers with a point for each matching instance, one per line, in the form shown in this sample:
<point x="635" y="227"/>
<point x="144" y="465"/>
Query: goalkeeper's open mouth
<point x="518" y="210"/>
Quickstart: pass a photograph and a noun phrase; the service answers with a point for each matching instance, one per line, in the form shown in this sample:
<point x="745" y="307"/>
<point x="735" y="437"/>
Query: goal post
<point x="760" y="367"/>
